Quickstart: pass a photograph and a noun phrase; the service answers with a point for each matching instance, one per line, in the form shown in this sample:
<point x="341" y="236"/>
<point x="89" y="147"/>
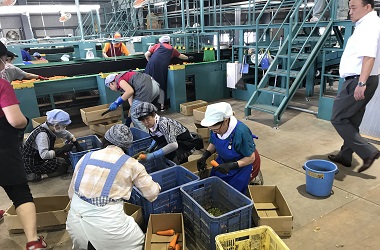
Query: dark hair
<point x="371" y="2"/>
<point x="145" y="116"/>
<point x="27" y="49"/>
<point x="39" y="57"/>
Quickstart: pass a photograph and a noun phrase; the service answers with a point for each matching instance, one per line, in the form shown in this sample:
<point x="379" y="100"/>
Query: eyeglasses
<point x="215" y="130"/>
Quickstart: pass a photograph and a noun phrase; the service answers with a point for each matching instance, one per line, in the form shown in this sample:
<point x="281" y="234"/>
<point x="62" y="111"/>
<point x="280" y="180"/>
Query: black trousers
<point x="19" y="193"/>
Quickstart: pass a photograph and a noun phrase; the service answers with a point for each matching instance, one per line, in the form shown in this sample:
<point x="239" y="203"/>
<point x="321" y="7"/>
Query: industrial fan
<point x="12" y="35"/>
<point x="64" y="17"/>
<point x="7" y="2"/>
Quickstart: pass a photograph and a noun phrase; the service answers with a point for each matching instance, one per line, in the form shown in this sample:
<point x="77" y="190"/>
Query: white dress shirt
<point x="365" y="41"/>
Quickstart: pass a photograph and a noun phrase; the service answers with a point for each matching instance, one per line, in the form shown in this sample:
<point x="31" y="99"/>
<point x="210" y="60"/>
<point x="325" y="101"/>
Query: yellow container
<point x="258" y="238"/>
<point x="177" y="67"/>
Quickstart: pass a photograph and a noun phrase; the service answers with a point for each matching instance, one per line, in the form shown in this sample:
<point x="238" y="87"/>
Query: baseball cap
<point x="5" y="51"/>
<point x="164" y="39"/>
<point x="144" y="109"/>
<point x="110" y="78"/>
<point x="216" y="113"/>
<point x="36" y="54"/>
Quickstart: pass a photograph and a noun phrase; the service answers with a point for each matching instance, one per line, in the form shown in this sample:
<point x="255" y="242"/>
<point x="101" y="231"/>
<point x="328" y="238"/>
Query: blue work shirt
<point x="26" y="56"/>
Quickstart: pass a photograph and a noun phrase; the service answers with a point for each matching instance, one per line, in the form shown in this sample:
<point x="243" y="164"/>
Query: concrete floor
<point x="348" y="219"/>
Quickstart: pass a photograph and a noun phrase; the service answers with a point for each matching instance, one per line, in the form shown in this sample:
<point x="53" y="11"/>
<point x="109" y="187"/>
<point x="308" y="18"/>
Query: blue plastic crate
<point x="169" y="200"/>
<point x="213" y="192"/>
<point x="141" y="141"/>
<point x="88" y="143"/>
<point x="157" y="164"/>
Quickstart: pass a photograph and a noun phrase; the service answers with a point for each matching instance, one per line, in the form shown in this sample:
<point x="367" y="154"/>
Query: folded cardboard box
<point x="188" y="107"/>
<point x="160" y="222"/>
<point x="37" y="121"/>
<point x="102" y="128"/>
<point x="199" y="114"/>
<point x="136" y="213"/>
<point x="202" y="131"/>
<point x="93" y="115"/>
<point x="271" y="209"/>
<point x="51" y="214"/>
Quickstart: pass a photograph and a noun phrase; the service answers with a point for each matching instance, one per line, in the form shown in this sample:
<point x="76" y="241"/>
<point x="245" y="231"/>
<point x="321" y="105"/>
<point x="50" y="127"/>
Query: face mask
<point x="58" y="128"/>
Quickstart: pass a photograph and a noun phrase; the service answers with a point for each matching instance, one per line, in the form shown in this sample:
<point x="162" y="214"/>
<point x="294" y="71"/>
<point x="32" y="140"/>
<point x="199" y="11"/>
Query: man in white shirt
<point x="359" y="67"/>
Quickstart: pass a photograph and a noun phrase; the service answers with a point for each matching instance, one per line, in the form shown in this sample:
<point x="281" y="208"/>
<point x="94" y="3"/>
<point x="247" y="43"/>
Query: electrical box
<point x="233" y="74"/>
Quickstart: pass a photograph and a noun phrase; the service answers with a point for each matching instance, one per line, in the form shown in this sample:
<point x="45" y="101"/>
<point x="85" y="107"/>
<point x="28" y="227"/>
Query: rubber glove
<point x="201" y="163"/>
<point x="151" y="147"/>
<point x="43" y="78"/>
<point x="116" y="103"/>
<point x="78" y="146"/>
<point x="64" y="149"/>
<point x="155" y="155"/>
<point x="224" y="168"/>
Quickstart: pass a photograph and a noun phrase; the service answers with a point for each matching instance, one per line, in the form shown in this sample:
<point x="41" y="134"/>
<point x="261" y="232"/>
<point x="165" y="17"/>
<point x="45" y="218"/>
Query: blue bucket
<point x="320" y="177"/>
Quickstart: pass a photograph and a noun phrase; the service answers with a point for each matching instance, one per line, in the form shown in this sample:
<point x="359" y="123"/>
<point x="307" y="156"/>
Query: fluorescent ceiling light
<point x="46" y="8"/>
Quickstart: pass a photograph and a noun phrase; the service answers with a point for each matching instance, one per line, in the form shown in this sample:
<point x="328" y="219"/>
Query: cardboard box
<point x="192" y="166"/>
<point x="93" y="115"/>
<point x="51" y="214"/>
<point x="136" y="213"/>
<point x="102" y="128"/>
<point x="202" y="131"/>
<point x="158" y="222"/>
<point x="199" y="114"/>
<point x="271" y="209"/>
<point x="38" y="121"/>
<point x="188" y="107"/>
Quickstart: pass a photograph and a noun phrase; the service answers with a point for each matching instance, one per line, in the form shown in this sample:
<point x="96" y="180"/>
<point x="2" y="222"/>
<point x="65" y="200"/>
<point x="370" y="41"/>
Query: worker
<point x="112" y="49"/>
<point x="12" y="72"/>
<point x="13" y="177"/>
<point x="137" y="87"/>
<point x="233" y="141"/>
<point x="38" y="56"/>
<point x="170" y="138"/>
<point x="359" y="66"/>
<point x="158" y="57"/>
<point x="25" y="53"/>
<point x="102" y="180"/>
<point x="41" y="160"/>
<point x="320" y="6"/>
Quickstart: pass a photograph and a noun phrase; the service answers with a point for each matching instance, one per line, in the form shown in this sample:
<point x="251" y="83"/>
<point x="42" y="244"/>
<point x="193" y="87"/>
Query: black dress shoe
<point x="367" y="163"/>
<point x="340" y="159"/>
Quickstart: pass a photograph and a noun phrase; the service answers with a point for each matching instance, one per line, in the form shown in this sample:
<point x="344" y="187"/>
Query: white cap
<point x="164" y="39"/>
<point x="110" y="78"/>
<point x="216" y="113"/>
<point x="58" y="116"/>
<point x="65" y="58"/>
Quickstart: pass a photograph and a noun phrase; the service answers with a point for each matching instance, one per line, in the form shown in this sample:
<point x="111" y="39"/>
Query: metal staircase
<point x="301" y="46"/>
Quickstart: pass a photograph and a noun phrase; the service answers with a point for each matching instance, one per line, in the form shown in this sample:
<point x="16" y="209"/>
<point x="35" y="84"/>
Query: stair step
<point x="302" y="56"/>
<point x="264" y="107"/>
<point x="308" y="39"/>
<point x="283" y="72"/>
<point x="273" y="90"/>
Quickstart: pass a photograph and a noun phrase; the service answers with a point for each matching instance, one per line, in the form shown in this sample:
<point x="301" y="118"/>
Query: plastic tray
<point x="258" y="238"/>
<point x="169" y="200"/>
<point x="88" y="143"/>
<point x="141" y="141"/>
<point x="213" y="192"/>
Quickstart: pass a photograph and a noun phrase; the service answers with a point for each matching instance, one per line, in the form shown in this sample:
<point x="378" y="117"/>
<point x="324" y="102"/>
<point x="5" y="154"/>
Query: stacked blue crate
<point x="213" y="192"/>
<point x="88" y="143"/>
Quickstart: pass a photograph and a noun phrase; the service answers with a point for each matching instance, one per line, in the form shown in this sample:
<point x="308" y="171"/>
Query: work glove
<point x="64" y="149"/>
<point x="43" y="78"/>
<point x="190" y="58"/>
<point x="78" y="146"/>
<point x="224" y="168"/>
<point x="158" y="154"/>
<point x="151" y="147"/>
<point x="116" y="103"/>
<point x="201" y="163"/>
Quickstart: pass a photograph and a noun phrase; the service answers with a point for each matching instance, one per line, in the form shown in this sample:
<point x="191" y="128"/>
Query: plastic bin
<point x="169" y="200"/>
<point x="141" y="141"/>
<point x="88" y="143"/>
<point x="213" y="192"/>
<point x="258" y="238"/>
<point x="157" y="164"/>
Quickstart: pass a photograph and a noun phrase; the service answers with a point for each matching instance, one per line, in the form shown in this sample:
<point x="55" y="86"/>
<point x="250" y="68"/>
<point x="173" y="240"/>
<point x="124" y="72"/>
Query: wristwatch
<point x="361" y="84"/>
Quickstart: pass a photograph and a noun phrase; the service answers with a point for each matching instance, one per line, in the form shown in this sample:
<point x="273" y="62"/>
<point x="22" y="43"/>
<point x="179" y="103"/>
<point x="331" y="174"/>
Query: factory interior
<point x="277" y="68"/>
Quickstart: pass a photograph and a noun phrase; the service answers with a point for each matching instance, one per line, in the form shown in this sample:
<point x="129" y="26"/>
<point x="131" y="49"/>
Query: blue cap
<point x="36" y="54"/>
<point x="58" y="116"/>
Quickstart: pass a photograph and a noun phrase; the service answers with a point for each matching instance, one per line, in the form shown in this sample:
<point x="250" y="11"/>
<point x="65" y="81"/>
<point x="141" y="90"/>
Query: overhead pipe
<point x="79" y="15"/>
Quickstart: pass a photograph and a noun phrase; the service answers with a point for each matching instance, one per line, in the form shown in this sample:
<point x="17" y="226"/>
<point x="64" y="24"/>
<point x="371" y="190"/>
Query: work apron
<point x="114" y="51"/>
<point x="107" y="226"/>
<point x="11" y="164"/>
<point x="238" y="178"/>
<point x="158" y="64"/>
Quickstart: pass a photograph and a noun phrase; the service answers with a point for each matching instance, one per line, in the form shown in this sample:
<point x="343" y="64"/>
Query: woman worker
<point x="13" y="177"/>
<point x="137" y="87"/>
<point x="233" y="142"/>
<point x="40" y="158"/>
<point x="170" y="138"/>
<point x="158" y="57"/>
<point x="102" y="180"/>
